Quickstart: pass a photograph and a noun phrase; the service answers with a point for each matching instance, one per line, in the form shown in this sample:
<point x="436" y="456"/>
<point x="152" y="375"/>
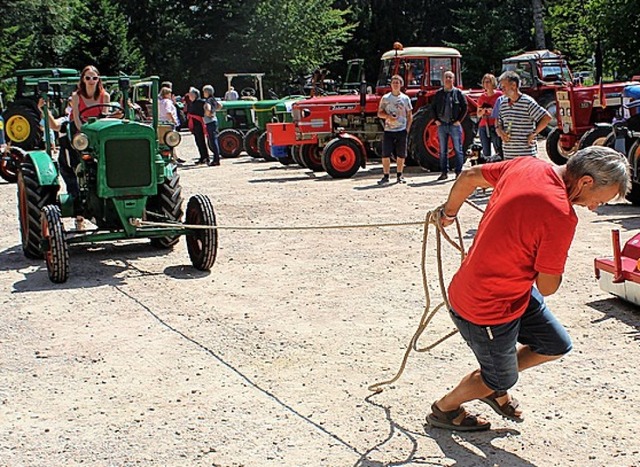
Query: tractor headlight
<point x="172" y="139"/>
<point x="80" y="142"/>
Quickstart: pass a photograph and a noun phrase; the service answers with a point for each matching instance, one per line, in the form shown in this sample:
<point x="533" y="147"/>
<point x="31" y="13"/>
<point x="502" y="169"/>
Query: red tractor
<point x="584" y="118"/>
<point x="339" y="133"/>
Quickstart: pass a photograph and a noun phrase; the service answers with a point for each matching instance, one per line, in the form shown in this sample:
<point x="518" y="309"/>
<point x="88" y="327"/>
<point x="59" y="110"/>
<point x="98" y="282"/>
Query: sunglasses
<point x="91" y="78"/>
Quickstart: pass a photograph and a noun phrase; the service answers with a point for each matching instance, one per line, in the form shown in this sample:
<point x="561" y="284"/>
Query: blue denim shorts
<point x="495" y="346"/>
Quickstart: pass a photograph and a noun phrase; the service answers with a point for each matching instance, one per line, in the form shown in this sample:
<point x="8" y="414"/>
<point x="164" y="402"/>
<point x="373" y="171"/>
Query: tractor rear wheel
<point x="311" y="156"/>
<point x="230" y="141"/>
<point x="548" y="101"/>
<point x="297" y="156"/>
<point x="22" y="125"/>
<point x="556" y="152"/>
<point x="202" y="244"/>
<point x="32" y="197"/>
<point x="341" y="157"/>
<point x="264" y="147"/>
<point x="250" y="142"/>
<point x="166" y="206"/>
<point x="598" y="136"/>
<point x="10" y="163"/>
<point x="634" y="159"/>
<point x="424" y="144"/>
<point x="57" y="251"/>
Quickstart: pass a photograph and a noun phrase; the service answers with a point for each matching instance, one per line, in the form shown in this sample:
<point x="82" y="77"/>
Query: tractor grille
<point x="128" y="163"/>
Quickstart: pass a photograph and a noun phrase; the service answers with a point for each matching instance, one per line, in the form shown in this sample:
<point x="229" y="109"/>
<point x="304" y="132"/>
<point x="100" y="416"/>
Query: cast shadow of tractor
<point x="617" y="308"/>
<point x="105" y="264"/>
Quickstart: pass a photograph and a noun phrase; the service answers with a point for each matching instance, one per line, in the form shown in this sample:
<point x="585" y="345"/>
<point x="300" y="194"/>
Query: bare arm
<point x="542" y="124"/>
<point x="464" y="186"/>
<point x="548" y="284"/>
<point x="75" y="105"/>
<point x="409" y="119"/>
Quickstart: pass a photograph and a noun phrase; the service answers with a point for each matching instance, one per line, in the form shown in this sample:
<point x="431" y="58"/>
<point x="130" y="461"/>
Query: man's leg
<point x="401" y="154"/>
<point x="456" y="137"/>
<point x="387" y="149"/>
<point x="443" y="139"/>
<point x="486" y="142"/>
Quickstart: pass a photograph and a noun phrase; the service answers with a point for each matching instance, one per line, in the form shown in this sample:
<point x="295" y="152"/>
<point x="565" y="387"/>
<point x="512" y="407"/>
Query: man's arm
<point x="409" y="118"/>
<point x="548" y="284"/>
<point x="463" y="187"/>
<point x="542" y="124"/>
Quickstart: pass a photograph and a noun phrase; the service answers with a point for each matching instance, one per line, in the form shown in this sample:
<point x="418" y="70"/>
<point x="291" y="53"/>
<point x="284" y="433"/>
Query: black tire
<point x="548" y="101"/>
<point x="202" y="244"/>
<point x="250" y="142"/>
<point x="555" y="151"/>
<point x="424" y="145"/>
<point x="597" y="136"/>
<point x="297" y="156"/>
<point x="311" y="156"/>
<point x="230" y="141"/>
<point x="56" y="251"/>
<point x="10" y="163"/>
<point x="288" y="160"/>
<point x="341" y="157"/>
<point x="264" y="148"/>
<point x="634" y="160"/>
<point x="22" y="125"/>
<point x="167" y="204"/>
<point x="32" y="197"/>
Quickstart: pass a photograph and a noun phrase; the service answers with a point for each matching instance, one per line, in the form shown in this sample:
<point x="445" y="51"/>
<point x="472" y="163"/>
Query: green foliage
<point x="289" y="36"/>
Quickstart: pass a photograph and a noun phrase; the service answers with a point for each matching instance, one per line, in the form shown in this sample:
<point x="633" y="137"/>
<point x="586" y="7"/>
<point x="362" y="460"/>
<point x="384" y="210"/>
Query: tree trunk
<point x="538" y="23"/>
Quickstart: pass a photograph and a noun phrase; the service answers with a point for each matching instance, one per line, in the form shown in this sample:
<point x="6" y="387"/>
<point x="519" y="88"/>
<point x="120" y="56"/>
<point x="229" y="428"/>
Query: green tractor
<point x="22" y="118"/>
<point x="129" y="188"/>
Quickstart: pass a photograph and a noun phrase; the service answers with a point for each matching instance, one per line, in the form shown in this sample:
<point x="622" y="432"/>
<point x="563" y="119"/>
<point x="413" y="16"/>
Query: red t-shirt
<point x="490" y="101"/>
<point x="526" y="229"/>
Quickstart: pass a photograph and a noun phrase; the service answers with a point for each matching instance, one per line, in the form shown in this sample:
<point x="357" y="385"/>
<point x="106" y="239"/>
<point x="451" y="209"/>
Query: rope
<point x="432" y="218"/>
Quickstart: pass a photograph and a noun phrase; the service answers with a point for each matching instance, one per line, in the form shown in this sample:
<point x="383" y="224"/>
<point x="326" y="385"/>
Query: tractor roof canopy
<point x="542" y="54"/>
<point x="422" y="52"/>
<point x="47" y="72"/>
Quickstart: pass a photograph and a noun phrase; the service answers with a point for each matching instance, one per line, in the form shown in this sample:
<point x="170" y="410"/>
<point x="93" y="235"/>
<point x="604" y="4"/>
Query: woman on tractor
<point x="90" y="92"/>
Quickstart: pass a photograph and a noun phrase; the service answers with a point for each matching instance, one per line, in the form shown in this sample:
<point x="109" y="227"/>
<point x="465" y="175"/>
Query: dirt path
<point x="140" y="360"/>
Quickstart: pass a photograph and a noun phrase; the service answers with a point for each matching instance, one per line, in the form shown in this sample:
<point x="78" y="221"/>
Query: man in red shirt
<point x="494" y="302"/>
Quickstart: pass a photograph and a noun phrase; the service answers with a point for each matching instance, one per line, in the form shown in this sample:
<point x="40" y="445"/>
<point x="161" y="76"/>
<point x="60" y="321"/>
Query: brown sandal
<point x="459" y="420"/>
<point x="507" y="410"/>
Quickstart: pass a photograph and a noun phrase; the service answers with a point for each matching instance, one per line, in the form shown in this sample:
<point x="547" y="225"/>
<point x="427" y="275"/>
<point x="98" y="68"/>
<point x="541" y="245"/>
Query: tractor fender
<point x="603" y="125"/>
<point x="46" y="169"/>
<point x="360" y="144"/>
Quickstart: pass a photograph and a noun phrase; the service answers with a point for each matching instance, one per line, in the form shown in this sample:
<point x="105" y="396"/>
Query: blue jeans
<point x="488" y="136"/>
<point x="212" y="132"/>
<point x="495" y="346"/>
<point x="455" y="132"/>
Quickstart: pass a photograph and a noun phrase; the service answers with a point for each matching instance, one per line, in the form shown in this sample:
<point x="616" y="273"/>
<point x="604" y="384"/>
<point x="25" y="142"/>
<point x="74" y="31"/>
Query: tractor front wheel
<point x="311" y="156"/>
<point x="166" y="205"/>
<point x="598" y="136"/>
<point x="556" y="152"/>
<point x="264" y="147"/>
<point x="202" y="244"/>
<point x="341" y="157"/>
<point x="634" y="160"/>
<point x="230" y="141"/>
<point x="57" y="251"/>
<point x="548" y="101"/>
<point x="10" y="162"/>
<point x="32" y="197"/>
<point x="251" y="142"/>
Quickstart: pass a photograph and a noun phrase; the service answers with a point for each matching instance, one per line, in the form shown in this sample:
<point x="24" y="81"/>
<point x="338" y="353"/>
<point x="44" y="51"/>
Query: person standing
<point x="231" y="94"/>
<point x="196" y="124"/>
<point x="166" y="108"/>
<point x="448" y="109"/>
<point x="395" y="109"/>
<point x="520" y="119"/>
<point x="487" y="127"/>
<point x="497" y="295"/>
<point x="211" y="106"/>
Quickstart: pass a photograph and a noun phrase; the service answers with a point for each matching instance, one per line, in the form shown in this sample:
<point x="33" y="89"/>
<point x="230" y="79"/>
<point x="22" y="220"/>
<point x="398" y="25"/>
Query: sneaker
<point x="443" y="177"/>
<point x="401" y="179"/>
<point x="200" y="161"/>
<point x="214" y="163"/>
<point x="384" y="180"/>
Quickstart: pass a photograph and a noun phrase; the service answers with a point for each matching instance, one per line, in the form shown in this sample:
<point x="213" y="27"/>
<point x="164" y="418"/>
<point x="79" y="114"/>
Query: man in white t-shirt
<point x="395" y="109"/>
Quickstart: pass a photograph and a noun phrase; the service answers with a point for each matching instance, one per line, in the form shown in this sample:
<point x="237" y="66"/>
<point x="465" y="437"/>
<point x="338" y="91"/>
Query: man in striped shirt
<point x="520" y="119"/>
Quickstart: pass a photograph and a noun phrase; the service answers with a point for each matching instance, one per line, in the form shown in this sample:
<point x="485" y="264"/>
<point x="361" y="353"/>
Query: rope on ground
<point x="432" y="218"/>
<point x="144" y="223"/>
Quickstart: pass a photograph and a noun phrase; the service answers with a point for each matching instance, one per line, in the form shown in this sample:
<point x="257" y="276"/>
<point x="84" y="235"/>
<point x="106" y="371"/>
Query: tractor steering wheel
<point x="114" y="112"/>
<point x="248" y="92"/>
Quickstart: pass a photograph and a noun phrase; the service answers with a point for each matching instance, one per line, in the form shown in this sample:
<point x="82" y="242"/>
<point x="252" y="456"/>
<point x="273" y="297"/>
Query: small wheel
<point x="22" y="125"/>
<point x="341" y="157"/>
<point x="548" y="101"/>
<point x="250" y="142"/>
<point x="167" y="204"/>
<point x="295" y="155"/>
<point x="264" y="147"/>
<point x="230" y="141"/>
<point x="10" y="163"/>
<point x="311" y="156"/>
<point x="556" y="152"/>
<point x="56" y="249"/>
<point x="202" y="244"/>
<point x="288" y="160"/>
